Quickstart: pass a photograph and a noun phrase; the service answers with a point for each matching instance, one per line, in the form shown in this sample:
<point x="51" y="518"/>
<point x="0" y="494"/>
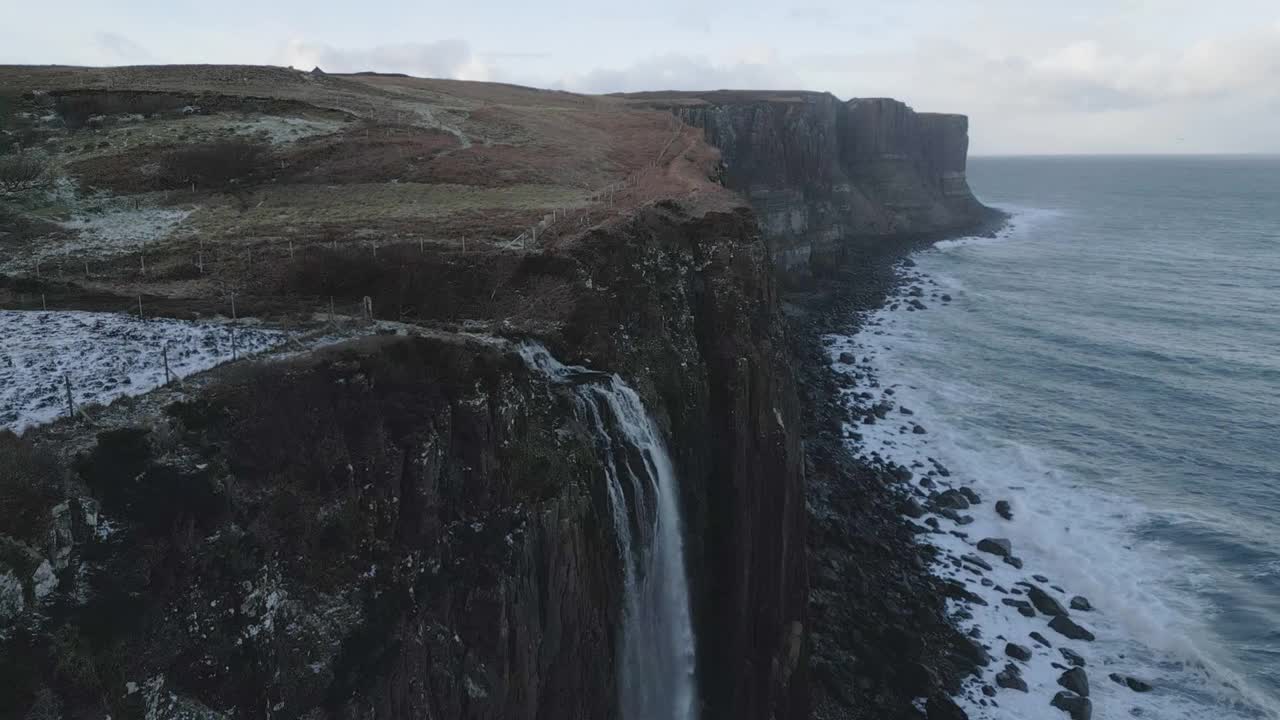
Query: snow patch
<point x="105" y="356"/>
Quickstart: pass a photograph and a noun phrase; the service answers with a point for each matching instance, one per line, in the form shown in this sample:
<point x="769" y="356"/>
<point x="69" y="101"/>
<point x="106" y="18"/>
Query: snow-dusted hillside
<point x="105" y="356"/>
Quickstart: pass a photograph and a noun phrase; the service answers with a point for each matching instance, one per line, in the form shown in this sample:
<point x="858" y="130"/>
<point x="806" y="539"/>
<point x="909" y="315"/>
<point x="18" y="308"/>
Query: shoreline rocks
<point x="1063" y="625"/>
<point x="999" y="547"/>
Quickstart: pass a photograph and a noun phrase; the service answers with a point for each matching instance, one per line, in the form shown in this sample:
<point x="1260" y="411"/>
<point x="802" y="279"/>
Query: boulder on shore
<point x="996" y="546"/>
<point x="1011" y="678"/>
<point x="1073" y="657"/>
<point x="1132" y="683"/>
<point x="1079" y="708"/>
<point x="1045" y="602"/>
<point x="1079" y="602"/>
<point x="1004" y="510"/>
<point x="951" y="500"/>
<point x="1076" y="680"/>
<point x="1063" y="625"/>
<point x="1017" y="652"/>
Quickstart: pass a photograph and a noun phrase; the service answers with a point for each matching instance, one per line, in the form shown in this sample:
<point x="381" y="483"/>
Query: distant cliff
<point x="821" y="173"/>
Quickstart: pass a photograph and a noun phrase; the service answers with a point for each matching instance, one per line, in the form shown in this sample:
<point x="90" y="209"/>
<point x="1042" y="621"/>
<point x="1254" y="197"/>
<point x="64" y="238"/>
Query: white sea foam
<point x="1082" y="539"/>
<point x="1021" y="220"/>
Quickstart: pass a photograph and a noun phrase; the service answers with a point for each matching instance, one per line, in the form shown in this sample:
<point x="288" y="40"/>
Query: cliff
<point x="392" y="516"/>
<point x="823" y="174"/>
<point x="409" y="523"/>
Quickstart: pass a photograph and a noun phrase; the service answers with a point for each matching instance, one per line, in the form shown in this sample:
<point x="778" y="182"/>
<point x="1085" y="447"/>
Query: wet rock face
<point x="820" y="172"/>
<point x="689" y="313"/>
<point x="396" y="528"/>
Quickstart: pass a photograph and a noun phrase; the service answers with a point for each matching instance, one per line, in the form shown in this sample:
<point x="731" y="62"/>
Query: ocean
<point x="1110" y="365"/>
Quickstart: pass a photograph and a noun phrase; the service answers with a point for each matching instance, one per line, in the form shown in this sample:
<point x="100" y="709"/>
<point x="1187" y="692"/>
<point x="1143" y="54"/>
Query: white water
<point x="656" y="676"/>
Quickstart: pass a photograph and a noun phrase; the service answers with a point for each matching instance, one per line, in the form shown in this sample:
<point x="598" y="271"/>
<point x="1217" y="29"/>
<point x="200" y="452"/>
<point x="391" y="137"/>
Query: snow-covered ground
<point x="105" y="356"/>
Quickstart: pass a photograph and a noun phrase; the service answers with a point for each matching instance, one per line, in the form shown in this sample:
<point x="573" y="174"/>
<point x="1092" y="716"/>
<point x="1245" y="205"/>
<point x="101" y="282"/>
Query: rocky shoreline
<point x="880" y="637"/>
<point x="892" y="554"/>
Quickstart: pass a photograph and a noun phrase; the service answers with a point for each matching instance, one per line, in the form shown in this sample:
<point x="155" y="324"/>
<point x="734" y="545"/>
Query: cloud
<point x="816" y="14"/>
<point x="443" y="59"/>
<point x="751" y="69"/>
<point x="115" y="49"/>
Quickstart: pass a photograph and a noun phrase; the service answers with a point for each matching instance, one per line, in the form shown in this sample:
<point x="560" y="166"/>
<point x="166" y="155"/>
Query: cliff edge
<point x="822" y="173"/>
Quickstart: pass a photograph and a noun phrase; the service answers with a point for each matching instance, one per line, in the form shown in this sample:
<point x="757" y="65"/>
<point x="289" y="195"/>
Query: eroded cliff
<point x="822" y="174"/>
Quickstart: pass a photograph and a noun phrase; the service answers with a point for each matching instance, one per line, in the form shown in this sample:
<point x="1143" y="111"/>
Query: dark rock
<point x="952" y="499"/>
<point x="941" y="707"/>
<point x="1026" y="612"/>
<point x="904" y="410"/>
<point x="1065" y="626"/>
<point x="1040" y="578"/>
<point x="1079" y="602"/>
<point x="1072" y="657"/>
<point x="971" y="496"/>
<point x="1079" y="708"/>
<point x="1014" y="561"/>
<point x="996" y="546"/>
<point x="946" y="297"/>
<point x="1010" y="678"/>
<point x="848" y="358"/>
<point x="988" y="691"/>
<point x="1017" y="652"/>
<point x="1004" y="510"/>
<point x="1041" y="639"/>
<point x="918" y="430"/>
<point x="1132" y="683"/>
<point x="974" y="559"/>
<point x="974" y="651"/>
<point x="1045" y="602"/>
<point x="1076" y="680"/>
<point x="1137" y="685"/>
<point x="911" y="508"/>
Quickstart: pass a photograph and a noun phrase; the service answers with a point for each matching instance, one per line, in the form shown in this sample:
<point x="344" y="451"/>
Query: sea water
<point x="1109" y="364"/>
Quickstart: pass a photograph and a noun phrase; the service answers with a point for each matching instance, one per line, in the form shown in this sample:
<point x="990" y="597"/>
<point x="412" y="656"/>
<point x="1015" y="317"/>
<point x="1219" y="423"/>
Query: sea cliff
<point x="823" y="174"/>
<point x="393" y="516"/>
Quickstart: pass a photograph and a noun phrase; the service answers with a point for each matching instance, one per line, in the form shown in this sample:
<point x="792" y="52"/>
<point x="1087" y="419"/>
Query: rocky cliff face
<point x="417" y="526"/>
<point x="822" y="173"/>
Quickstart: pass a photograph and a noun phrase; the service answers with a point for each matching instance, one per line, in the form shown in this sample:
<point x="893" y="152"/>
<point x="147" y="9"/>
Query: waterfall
<point x="656" y="648"/>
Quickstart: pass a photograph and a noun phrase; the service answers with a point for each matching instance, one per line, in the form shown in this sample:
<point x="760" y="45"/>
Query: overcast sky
<point x="1077" y="76"/>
